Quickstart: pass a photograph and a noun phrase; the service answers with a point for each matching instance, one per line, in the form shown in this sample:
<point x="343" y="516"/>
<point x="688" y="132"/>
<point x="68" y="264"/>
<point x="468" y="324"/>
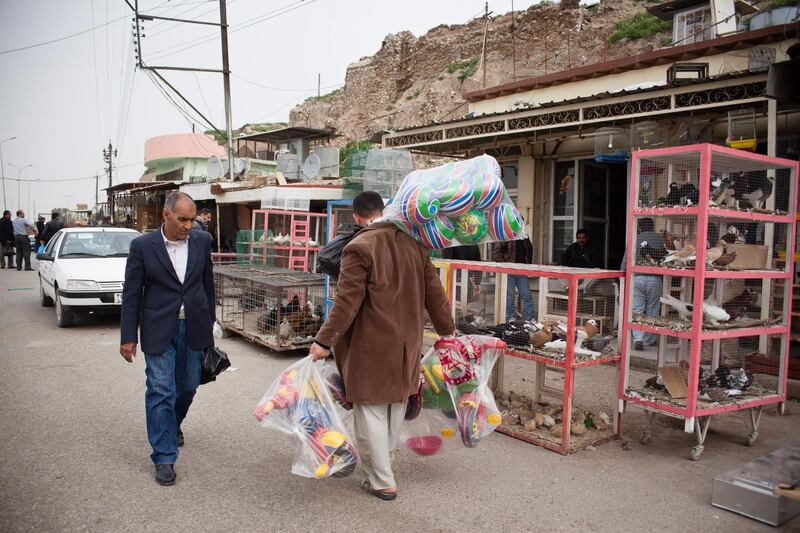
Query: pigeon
<point x="584" y="332"/>
<point x="541" y="337"/>
<point x="733" y="236"/>
<point x="739" y="305"/>
<point x="713" y="312"/>
<point x="673" y="196"/>
<point x="684" y="255"/>
<point x="598" y="343"/>
<point x="649" y="253"/>
<point x="669" y="240"/>
<point x="758" y="198"/>
<point x="725" y="259"/>
<point x="684" y="310"/>
<point x="689" y="194"/>
<point x="714" y="253"/>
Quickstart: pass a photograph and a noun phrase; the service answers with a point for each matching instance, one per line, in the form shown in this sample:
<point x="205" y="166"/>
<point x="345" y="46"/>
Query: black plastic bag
<point x="330" y="256"/>
<point x="215" y="361"/>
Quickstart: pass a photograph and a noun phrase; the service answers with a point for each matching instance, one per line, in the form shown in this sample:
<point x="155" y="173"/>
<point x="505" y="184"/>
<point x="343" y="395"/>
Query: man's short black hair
<point x="54" y="214"/>
<point x="6" y="212"/>
<point x="205" y="211"/>
<point x="646" y="224"/>
<point x="367" y="204"/>
<point x="582" y="232"/>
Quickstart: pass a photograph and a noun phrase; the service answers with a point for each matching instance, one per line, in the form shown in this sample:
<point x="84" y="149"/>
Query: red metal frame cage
<point x="712" y="165"/>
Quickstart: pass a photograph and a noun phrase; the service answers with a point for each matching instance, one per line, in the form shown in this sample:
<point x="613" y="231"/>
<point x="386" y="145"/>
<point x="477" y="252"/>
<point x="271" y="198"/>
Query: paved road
<point x="74" y="456"/>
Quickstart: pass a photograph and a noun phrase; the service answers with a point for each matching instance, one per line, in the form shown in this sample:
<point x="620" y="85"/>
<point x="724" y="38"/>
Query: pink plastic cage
<point x="553" y="393"/>
<point x="712" y="229"/>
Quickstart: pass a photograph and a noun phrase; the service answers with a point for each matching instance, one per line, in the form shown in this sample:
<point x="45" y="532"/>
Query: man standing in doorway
<point x="580" y="254"/>
<point x="169" y="292"/>
<point x="21" y="240"/>
<point x="519" y="251"/>
<point x="203" y="223"/>
<point x="386" y="282"/>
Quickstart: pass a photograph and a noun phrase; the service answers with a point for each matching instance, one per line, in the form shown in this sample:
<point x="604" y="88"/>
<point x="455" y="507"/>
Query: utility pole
<point x="96" y="190"/>
<point x="108" y="156"/>
<point x="485" y="29"/>
<point x="226" y="81"/>
<point x="319" y="79"/>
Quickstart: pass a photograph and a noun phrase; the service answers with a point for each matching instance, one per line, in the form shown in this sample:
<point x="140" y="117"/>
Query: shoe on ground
<point x="382" y="494"/>
<point x="165" y="474"/>
<point x="28" y="270"/>
<point x="180" y="438"/>
<point x="639" y="345"/>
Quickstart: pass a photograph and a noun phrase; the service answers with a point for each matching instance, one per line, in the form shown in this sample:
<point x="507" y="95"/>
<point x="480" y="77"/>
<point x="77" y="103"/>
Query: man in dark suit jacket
<point x="169" y="294"/>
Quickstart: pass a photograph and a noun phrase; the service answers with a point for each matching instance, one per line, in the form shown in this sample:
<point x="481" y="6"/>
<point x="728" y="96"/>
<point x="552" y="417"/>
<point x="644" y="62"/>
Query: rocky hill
<point x="416" y="80"/>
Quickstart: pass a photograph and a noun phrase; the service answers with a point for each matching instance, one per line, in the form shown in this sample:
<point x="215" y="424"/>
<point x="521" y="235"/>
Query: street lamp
<point x="19" y="179"/>
<point x="2" y="172"/>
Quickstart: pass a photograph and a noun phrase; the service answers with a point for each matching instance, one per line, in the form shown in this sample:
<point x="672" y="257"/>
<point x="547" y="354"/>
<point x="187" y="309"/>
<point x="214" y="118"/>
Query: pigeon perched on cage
<point x="715" y="252"/>
<point x="733" y="236"/>
<point x="738" y="306"/>
<point x="730" y="378"/>
<point x="758" y="198"/>
<point x="673" y="196"/>
<point x="712" y="312"/>
<point x="598" y="343"/>
<point x="725" y="259"/>
<point x="684" y="255"/>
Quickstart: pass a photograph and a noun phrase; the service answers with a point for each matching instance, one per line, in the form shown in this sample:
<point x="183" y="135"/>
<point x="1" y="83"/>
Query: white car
<point x="82" y="271"/>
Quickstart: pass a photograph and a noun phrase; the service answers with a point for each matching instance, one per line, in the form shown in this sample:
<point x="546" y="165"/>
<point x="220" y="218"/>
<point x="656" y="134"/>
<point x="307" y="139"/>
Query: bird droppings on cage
<point x="545" y="420"/>
<point x="676" y="324"/>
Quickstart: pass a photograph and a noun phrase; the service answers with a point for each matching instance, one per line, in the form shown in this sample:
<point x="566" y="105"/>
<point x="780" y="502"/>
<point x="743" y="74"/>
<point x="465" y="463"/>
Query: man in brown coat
<point x="386" y="282"/>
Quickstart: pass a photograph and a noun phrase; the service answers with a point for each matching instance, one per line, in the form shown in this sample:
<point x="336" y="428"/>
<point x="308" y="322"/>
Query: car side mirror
<point x="44" y="256"/>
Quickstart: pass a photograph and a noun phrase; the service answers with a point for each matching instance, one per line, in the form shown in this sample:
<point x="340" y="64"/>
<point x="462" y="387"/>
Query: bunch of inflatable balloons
<point x="455" y="204"/>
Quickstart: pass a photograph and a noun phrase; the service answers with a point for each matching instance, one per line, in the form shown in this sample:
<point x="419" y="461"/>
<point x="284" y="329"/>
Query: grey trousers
<point x="377" y="432"/>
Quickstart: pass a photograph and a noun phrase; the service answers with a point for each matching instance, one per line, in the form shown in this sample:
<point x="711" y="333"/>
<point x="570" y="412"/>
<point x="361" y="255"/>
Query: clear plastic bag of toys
<point x="456" y="204"/>
<point x="435" y="429"/>
<point x="300" y="403"/>
<point x="466" y="368"/>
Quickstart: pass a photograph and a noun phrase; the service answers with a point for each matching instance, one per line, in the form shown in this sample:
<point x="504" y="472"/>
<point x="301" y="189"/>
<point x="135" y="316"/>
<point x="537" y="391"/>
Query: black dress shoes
<point x="180" y="438"/>
<point x="165" y="474"/>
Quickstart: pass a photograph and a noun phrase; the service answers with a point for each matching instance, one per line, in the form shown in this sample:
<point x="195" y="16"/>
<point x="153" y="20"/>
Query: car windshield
<point x="97" y="244"/>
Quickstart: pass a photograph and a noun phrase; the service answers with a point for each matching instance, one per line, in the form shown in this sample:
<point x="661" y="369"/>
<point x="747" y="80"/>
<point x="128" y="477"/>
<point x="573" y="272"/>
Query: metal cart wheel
<point x="694" y="453"/>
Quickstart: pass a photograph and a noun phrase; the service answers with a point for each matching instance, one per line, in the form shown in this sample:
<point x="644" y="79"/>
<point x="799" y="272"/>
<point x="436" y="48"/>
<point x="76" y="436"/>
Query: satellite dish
<point x="312" y="166"/>
<point x="239" y="166"/>
<point x="214" y="167"/>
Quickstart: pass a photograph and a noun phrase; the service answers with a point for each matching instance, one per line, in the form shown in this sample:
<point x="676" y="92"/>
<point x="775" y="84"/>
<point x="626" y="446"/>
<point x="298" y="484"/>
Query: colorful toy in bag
<point x="467" y="364"/>
<point x="456" y="204"/>
<point x="300" y="403"/>
<point x="435" y="428"/>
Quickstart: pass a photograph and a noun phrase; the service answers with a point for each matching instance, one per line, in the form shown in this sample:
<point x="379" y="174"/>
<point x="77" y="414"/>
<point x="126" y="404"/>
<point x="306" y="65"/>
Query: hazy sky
<point x="65" y="101"/>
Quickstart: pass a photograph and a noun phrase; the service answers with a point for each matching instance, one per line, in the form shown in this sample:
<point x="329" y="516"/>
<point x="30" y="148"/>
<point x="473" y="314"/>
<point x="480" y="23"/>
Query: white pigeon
<point x="285" y="328"/>
<point x="711" y="310"/>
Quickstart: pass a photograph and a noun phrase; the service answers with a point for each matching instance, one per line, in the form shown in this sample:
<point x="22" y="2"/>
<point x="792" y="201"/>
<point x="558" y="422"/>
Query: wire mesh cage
<point x="709" y="265"/>
<point x="275" y="307"/>
<point x="570" y="384"/>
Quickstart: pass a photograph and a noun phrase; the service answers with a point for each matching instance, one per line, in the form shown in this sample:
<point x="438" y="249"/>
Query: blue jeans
<point x="172" y="379"/>
<point x="522" y="284"/>
<point x="646" y="294"/>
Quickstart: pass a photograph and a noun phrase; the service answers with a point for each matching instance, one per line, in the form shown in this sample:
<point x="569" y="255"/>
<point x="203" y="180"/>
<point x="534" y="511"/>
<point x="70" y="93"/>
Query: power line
<point x="202" y="40"/>
<point x="70" y="36"/>
<point x="286" y="90"/>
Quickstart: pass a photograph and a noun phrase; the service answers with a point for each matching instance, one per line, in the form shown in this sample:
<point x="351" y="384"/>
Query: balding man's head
<point x="179" y="214"/>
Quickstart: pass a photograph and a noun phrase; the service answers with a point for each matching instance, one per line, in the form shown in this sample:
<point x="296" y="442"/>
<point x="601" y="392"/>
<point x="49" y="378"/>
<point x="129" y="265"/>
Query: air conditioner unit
<point x="322" y="163"/>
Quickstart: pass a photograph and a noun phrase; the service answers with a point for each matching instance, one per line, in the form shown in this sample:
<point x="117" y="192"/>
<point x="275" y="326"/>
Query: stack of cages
<point x="287" y="239"/>
<point x="340" y="218"/>
<point x="553" y="392"/>
<point x="710" y="228"/>
<point x="277" y="308"/>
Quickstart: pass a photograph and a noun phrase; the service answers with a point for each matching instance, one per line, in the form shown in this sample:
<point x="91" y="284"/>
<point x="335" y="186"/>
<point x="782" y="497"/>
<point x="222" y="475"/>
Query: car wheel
<point x="64" y="317"/>
<point x="44" y="299"/>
